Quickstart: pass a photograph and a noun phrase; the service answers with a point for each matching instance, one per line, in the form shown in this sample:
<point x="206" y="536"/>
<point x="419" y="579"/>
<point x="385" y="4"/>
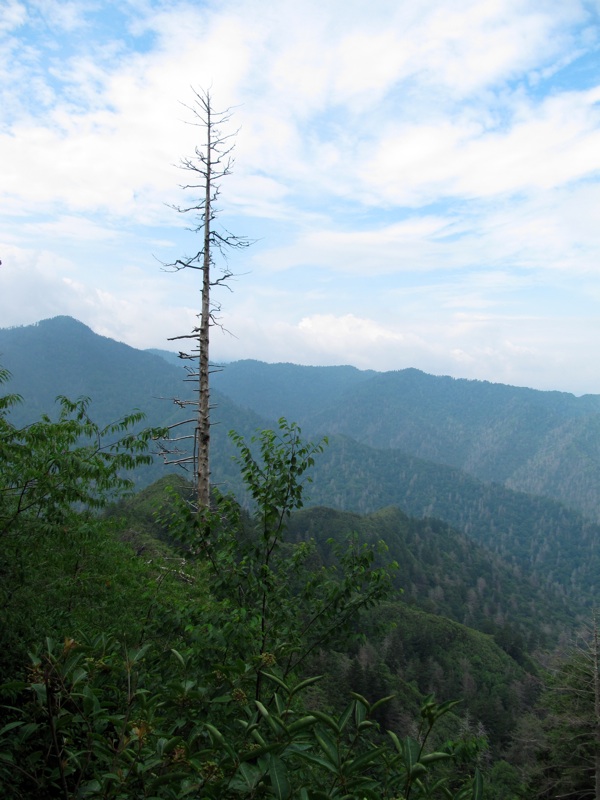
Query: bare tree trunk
<point x="202" y="436"/>
<point x="208" y="165"/>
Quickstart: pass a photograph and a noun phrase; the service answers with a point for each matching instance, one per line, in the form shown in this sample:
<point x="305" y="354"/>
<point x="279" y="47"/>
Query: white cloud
<point x="129" y="305"/>
<point x="12" y="15"/>
<point x="547" y="145"/>
<point x="68" y="227"/>
<point x="33" y="286"/>
<point x="423" y="161"/>
<point x="339" y="331"/>
<point x="522" y="351"/>
<point x="480" y="44"/>
<point x="115" y="152"/>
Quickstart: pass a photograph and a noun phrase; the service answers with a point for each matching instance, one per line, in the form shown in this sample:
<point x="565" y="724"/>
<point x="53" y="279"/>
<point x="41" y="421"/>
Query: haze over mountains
<point x="545" y="443"/>
<point x="515" y="469"/>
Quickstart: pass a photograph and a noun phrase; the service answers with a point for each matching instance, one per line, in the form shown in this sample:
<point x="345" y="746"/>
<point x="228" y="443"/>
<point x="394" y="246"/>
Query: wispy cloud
<point x="440" y="156"/>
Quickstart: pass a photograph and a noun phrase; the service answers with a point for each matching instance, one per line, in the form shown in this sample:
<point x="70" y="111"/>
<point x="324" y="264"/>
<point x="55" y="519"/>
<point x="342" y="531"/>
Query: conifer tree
<point x="567" y="757"/>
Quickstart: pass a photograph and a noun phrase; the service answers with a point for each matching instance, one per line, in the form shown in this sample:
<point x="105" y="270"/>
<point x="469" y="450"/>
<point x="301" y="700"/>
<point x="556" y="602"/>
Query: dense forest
<point x="348" y="619"/>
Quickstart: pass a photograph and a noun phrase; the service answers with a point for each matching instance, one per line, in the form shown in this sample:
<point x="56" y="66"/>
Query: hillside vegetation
<point x="264" y="650"/>
<point x="512" y="429"/>
<point x="182" y="667"/>
<point x="543" y="443"/>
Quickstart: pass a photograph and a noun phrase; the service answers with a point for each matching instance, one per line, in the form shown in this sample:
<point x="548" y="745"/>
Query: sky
<point x="420" y="180"/>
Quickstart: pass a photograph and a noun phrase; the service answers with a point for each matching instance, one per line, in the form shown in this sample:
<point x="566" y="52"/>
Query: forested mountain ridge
<point x="552" y="544"/>
<point x="62" y="356"/>
<point x="196" y="618"/>
<point x="443" y="572"/>
<point x="545" y="443"/>
<point x="459" y="623"/>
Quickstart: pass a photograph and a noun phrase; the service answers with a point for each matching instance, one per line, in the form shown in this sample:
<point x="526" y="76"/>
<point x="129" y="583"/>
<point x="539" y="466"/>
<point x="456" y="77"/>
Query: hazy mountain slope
<point x="62" y="356"/>
<point x="556" y="545"/>
<point x="168" y="355"/>
<point x="289" y="390"/>
<point x="546" y="443"/>
<point x="549" y="541"/>
<point x="542" y="442"/>
<point x="565" y="466"/>
<point x="443" y="571"/>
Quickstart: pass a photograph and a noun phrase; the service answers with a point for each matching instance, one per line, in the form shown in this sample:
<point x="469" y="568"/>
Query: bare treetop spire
<point x="212" y="161"/>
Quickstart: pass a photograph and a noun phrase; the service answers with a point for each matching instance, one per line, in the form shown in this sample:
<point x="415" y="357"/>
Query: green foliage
<point x="544" y="440"/>
<point x="563" y="735"/>
<point x="277" y="606"/>
<point x="438" y="656"/>
<point x="49" y="467"/>
<point x="504" y="782"/>
<point x="274" y="475"/>
<point x="94" y="724"/>
<point x="58" y="562"/>
<point x="137" y="515"/>
<point x="207" y="696"/>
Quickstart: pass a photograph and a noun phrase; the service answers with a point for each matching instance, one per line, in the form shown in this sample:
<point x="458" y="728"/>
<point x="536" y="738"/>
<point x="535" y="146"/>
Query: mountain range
<point x="515" y="470"/>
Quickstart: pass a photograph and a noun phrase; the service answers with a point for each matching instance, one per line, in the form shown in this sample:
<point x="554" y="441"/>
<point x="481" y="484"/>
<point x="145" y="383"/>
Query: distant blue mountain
<point x="433" y="446"/>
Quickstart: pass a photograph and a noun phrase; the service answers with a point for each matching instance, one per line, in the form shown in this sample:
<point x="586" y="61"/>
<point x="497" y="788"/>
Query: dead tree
<point x="211" y="162"/>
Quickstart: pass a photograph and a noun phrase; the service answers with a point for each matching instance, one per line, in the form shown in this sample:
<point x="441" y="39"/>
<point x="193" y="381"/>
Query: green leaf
<point x="477" y="785"/>
<point x="345" y="716"/>
<point x="276" y="680"/>
<point x="300" y="724"/>
<point x="90" y="788"/>
<point x="280" y="703"/>
<point x="216" y="734"/>
<point x="306" y="683"/>
<point x="327" y="720"/>
<point x="246" y="778"/>
<point x="410" y="750"/>
<point x="10" y="727"/>
<point x="311" y="758"/>
<point x="361" y="708"/>
<point x="328" y="747"/>
<point x="395" y="740"/>
<point x="381" y="702"/>
<point x="178" y="656"/>
<point x="253" y="755"/>
<point x="358" y="764"/>
<point x="279" y="779"/>
<point x="431" y="757"/>
<point x="136" y="655"/>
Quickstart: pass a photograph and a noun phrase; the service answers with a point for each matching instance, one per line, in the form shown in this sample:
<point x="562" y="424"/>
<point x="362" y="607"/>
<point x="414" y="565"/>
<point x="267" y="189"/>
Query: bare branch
<point x="210" y="163"/>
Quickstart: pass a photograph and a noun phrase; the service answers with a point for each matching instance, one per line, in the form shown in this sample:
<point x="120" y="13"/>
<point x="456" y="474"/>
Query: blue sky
<point x="422" y="179"/>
